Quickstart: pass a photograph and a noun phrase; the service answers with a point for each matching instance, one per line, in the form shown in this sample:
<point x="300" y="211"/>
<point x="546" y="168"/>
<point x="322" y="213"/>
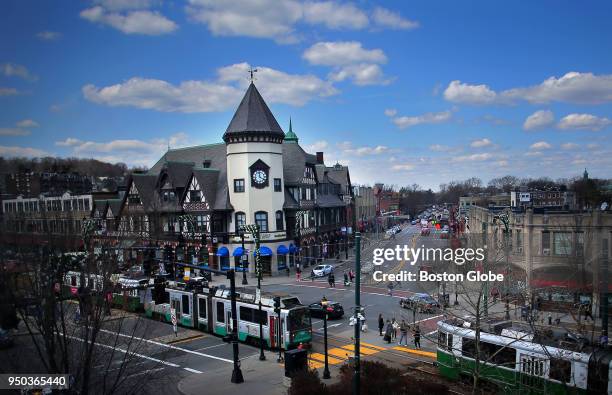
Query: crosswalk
<point x="338" y="355"/>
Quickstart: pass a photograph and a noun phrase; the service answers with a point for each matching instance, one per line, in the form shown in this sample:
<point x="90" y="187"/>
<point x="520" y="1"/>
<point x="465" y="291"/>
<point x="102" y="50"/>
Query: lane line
<point x="206" y="348"/>
<point x="193" y="370"/>
<point x="170" y="346"/>
<point x="321" y="358"/>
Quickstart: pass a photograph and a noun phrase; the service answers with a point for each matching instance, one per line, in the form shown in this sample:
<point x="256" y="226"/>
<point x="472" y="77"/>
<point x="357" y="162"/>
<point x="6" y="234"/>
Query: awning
<point x="238" y="252"/>
<point x="292" y="249"/>
<point x="223" y="251"/>
<point x="282" y="250"/>
<point x="264" y="251"/>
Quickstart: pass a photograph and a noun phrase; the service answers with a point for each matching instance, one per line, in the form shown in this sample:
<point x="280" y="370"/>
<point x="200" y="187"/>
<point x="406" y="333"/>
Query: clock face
<point x="259" y="177"/>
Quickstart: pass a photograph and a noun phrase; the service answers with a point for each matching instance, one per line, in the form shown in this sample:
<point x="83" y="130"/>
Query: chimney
<point x="320" y="158"/>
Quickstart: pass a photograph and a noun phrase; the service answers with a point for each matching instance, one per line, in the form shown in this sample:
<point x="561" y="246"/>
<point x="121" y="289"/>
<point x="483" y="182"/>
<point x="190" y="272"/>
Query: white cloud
<point x="49" y="35"/>
<point x="14" y="132"/>
<point x="459" y="92"/>
<point x="403" y="167"/>
<point x="540" y="145"/>
<point x="347" y="149"/>
<point x="593" y="146"/>
<point x="349" y="60"/>
<point x="534" y="153"/>
<point x="473" y="157"/>
<point x="27" y="123"/>
<point x="16" y="70"/>
<point x="9" y="151"/>
<point x="319" y="145"/>
<point x="279" y="20"/>
<point x="573" y="87"/>
<point x="583" y="122"/>
<point x="481" y="143"/>
<point x="210" y="96"/>
<point x="390" y="112"/>
<point x="133" y="151"/>
<point x="570" y="146"/>
<point x="538" y="120"/>
<point x="440" y="148"/>
<point x="342" y="53"/>
<point x="386" y="18"/>
<point x="130" y="17"/>
<point x="8" y="91"/>
<point x="334" y="15"/>
<point x="430" y="117"/>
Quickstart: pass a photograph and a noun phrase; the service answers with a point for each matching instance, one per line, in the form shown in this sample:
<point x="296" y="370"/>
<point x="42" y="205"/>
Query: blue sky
<point x="403" y="92"/>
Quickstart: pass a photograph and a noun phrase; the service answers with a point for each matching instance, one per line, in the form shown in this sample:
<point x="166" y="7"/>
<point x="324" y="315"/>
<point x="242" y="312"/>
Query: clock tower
<point x="254" y="151"/>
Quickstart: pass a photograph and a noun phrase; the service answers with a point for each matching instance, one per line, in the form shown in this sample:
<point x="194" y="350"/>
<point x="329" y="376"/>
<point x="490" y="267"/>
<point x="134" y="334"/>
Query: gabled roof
<point x="145" y="184"/>
<point x="179" y="173"/>
<point x="216" y="154"/>
<point x="295" y="160"/>
<point x="340" y="175"/>
<point x="290" y="201"/>
<point x="207" y="180"/>
<point x="253" y="116"/>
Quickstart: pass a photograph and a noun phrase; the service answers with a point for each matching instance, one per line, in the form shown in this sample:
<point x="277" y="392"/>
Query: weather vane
<point x="251" y="71"/>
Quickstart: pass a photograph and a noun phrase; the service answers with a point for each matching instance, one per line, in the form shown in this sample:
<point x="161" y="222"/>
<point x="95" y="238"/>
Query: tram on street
<point x="517" y="360"/>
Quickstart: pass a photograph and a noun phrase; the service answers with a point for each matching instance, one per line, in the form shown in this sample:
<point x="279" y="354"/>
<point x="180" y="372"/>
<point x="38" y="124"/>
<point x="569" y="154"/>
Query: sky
<point x="419" y="92"/>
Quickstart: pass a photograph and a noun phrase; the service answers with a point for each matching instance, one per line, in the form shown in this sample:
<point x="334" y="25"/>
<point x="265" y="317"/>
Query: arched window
<point x="279" y="220"/>
<point x="240" y="220"/>
<point x="261" y="219"/>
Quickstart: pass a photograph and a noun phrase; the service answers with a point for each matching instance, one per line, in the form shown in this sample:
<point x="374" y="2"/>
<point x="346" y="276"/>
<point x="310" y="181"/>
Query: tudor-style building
<point x="194" y="201"/>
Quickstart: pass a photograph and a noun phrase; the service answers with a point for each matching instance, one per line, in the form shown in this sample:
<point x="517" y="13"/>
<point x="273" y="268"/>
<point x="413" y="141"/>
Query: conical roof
<point x="253" y="117"/>
<point x="290" y="136"/>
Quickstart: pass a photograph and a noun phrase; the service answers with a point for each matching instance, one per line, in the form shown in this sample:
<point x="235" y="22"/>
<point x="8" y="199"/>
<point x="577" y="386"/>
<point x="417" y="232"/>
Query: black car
<point x="334" y="310"/>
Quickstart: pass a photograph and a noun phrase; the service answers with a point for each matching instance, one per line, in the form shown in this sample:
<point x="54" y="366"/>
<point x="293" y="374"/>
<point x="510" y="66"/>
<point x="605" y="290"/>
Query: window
<point x="202" y="307"/>
<point x="580" y="244"/>
<point x="545" y="240"/>
<point x="220" y="312"/>
<point x="277" y="185"/>
<point x="450" y="342"/>
<point x="240" y="220"/>
<point x="168" y="196"/>
<point x="185" y="300"/>
<point x="562" y="243"/>
<point x="442" y="340"/>
<point x="279" y="220"/>
<point x="261" y="220"/>
<point x="468" y="347"/>
<point x="560" y="370"/>
<point x="519" y="239"/>
<point x="251" y="315"/>
<point x="195" y="196"/>
<point x="201" y="223"/>
<point x="303" y="193"/>
<point x="239" y="185"/>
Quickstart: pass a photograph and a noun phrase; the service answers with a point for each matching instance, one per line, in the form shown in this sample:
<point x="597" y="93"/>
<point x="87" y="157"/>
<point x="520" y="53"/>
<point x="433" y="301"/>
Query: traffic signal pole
<point x="357" y="378"/>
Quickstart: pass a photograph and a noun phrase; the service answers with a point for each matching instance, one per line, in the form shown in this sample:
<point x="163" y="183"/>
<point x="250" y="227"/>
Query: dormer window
<point x="206" y="164"/>
<point x="168" y="196"/>
<point x="195" y="196"/>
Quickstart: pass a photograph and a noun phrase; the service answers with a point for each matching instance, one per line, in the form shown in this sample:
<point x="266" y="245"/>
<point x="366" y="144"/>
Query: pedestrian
<point x="298" y="273"/>
<point x="332" y="280"/>
<point x="395" y="326"/>
<point x="351" y="275"/>
<point x="388" y="332"/>
<point x="346" y="279"/>
<point x="403" y="333"/>
<point x="381" y="324"/>
<point x="417" y="337"/>
<point x="312" y="276"/>
<point x="288" y="271"/>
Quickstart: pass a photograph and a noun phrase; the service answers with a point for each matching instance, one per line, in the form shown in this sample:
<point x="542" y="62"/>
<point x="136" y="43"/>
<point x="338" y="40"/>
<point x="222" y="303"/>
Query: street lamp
<point x="324" y="304"/>
<point x="254" y="231"/>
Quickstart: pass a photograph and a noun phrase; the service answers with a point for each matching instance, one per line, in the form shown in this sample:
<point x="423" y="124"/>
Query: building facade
<point x="365" y="206"/>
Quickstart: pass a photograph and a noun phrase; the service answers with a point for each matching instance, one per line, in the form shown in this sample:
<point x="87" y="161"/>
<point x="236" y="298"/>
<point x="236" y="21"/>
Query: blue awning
<point x="238" y="251"/>
<point x="223" y="251"/>
<point x="282" y="250"/>
<point x="264" y="251"/>
<point x="292" y="249"/>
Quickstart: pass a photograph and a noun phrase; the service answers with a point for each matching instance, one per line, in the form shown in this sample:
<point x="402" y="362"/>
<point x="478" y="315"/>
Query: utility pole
<point x="236" y="373"/>
<point x="243" y="259"/>
<point x="357" y="378"/>
<point x="324" y="304"/>
<point x="485" y="262"/>
<point x="254" y="230"/>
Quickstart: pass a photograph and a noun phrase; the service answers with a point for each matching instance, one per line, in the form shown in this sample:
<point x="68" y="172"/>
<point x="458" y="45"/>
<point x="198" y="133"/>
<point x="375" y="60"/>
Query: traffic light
<point x="277" y="304"/>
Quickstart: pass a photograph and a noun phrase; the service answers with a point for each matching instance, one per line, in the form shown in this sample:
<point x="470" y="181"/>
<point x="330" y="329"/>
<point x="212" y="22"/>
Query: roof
<point x="253" y="116"/>
<point x="207" y="180"/>
<point x="290" y="201"/>
<point x="329" y="200"/>
<point x="145" y="184"/>
<point x="295" y="160"/>
<point x="340" y="175"/>
<point x="115" y="206"/>
<point x="216" y="154"/>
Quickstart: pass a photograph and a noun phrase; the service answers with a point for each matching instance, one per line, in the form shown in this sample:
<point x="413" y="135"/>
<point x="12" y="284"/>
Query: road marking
<point x="427" y="319"/>
<point x="187" y="339"/>
<point x="170" y="346"/>
<point x="413" y="351"/>
<point x="145" y="372"/>
<point x="338" y="352"/>
<point x="193" y="370"/>
<point x="315" y="365"/>
<point x="362" y="350"/>
<point x="431" y="333"/>
<point x="321" y="358"/>
<point x="216" y="345"/>
<point x="373" y="346"/>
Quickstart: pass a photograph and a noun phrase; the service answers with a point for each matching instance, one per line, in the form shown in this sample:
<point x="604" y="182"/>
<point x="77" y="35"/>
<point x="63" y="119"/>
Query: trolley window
<point x="299" y="319"/>
<point x="560" y="370"/>
<point x="250" y="315"/>
<point x="220" y="312"/>
<point x="450" y="342"/>
<point x="185" y="299"/>
<point x="73" y="281"/>
<point x="442" y="340"/>
<point x="468" y="347"/>
<point x="202" y="307"/>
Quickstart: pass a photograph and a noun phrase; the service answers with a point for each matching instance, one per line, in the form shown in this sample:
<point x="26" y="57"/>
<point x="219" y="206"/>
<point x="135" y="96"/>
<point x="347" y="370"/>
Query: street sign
<point x="257" y="295"/>
<point x="173" y="319"/>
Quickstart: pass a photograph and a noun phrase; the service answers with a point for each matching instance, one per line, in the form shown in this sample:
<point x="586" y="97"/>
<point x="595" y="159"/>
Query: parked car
<point x="322" y="270"/>
<point x="334" y="310"/>
<point x="413" y="222"/>
<point x="425" y="231"/>
<point x="421" y="302"/>
<point x="444" y="234"/>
